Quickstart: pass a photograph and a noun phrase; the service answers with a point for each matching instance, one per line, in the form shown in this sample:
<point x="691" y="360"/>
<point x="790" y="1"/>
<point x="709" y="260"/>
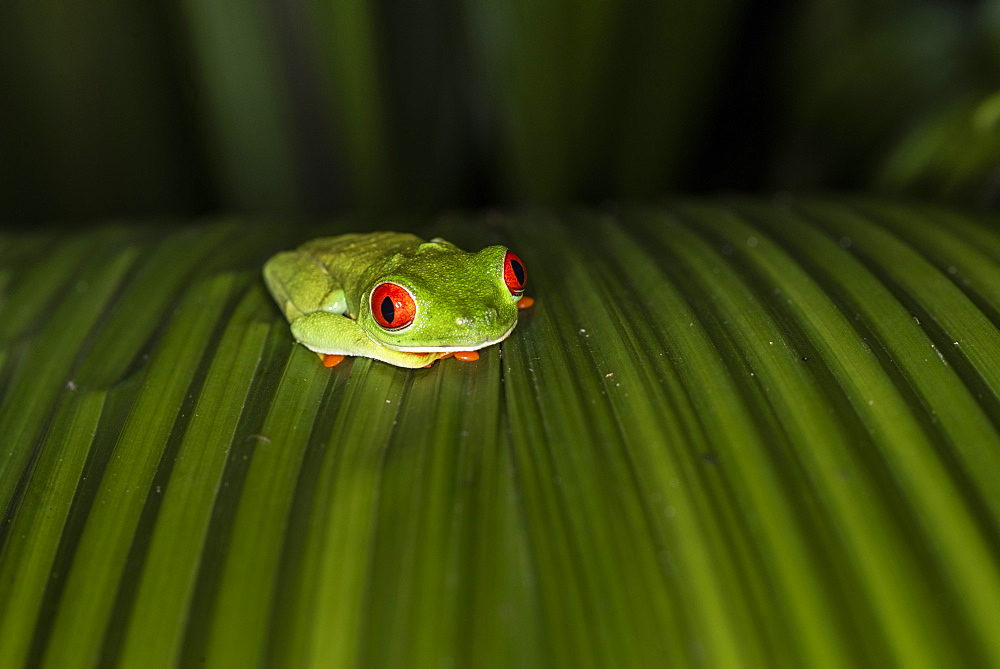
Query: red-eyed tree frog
<point x="397" y="298"/>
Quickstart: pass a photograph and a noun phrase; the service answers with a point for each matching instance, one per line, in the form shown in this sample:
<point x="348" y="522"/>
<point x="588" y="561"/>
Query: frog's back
<point x="359" y="250"/>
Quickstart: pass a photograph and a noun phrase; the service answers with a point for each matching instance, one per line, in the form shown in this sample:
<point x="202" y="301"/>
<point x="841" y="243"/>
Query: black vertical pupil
<point x="518" y="271"/>
<point x="388" y="311"/>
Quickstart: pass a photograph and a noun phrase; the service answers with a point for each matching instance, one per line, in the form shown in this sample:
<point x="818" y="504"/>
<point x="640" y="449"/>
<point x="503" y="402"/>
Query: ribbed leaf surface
<point x="727" y="434"/>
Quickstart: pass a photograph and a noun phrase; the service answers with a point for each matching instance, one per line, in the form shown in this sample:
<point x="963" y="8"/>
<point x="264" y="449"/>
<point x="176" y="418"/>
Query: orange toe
<point x="467" y="356"/>
<point x="525" y="302"/>
<point x="332" y="360"/>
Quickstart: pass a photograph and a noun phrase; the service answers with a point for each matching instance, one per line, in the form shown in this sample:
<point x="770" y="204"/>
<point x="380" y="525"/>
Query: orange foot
<point x="467" y="356"/>
<point x="332" y="360"/>
<point x="525" y="302"/>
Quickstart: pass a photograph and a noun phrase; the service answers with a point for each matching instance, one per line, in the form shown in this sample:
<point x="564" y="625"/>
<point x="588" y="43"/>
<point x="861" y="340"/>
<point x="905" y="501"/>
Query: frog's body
<point x="394" y="297"/>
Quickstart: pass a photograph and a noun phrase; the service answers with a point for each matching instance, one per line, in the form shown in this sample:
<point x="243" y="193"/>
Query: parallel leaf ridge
<point x="729" y="433"/>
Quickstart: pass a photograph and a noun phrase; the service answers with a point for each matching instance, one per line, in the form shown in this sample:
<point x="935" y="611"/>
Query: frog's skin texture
<point x="395" y="297"/>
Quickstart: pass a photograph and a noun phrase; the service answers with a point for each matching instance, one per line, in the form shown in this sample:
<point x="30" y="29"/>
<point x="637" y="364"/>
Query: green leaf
<point x="728" y="433"/>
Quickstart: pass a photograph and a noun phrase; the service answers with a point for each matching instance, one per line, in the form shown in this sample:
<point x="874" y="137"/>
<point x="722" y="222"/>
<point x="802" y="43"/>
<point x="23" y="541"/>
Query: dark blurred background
<point x="133" y="108"/>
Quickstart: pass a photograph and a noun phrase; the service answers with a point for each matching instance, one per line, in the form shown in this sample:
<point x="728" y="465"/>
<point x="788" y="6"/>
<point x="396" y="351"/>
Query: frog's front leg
<point x="331" y="334"/>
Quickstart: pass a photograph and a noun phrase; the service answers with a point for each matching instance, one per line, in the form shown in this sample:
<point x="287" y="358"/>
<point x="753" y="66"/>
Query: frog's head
<point x="441" y="298"/>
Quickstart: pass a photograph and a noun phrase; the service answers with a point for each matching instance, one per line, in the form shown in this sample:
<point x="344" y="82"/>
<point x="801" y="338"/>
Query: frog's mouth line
<point x="449" y="349"/>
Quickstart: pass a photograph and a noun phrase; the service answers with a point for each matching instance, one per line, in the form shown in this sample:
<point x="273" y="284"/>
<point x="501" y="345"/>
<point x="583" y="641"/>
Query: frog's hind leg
<point x="300" y="285"/>
<point x="330" y="334"/>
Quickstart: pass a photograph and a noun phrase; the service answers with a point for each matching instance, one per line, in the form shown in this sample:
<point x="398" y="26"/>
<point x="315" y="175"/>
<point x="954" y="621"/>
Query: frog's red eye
<point x="514" y="274"/>
<point x="392" y="306"/>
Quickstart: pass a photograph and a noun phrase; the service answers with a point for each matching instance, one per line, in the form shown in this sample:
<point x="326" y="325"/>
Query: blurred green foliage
<point x="314" y="107"/>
